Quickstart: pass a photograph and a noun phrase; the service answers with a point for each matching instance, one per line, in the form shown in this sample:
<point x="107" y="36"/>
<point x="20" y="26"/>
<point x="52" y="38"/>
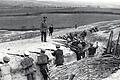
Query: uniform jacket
<point x="92" y="50"/>
<point x="43" y="27"/>
<point x="59" y="56"/>
<point x="51" y="29"/>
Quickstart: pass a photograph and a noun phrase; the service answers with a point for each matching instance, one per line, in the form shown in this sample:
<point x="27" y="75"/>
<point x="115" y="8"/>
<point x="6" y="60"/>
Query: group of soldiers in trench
<point x="75" y="41"/>
<point x="29" y="66"/>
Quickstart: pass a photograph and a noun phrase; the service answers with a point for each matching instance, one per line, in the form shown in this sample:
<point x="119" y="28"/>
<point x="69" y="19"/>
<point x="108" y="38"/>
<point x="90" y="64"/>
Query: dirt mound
<point x="12" y="36"/>
<point x="87" y="69"/>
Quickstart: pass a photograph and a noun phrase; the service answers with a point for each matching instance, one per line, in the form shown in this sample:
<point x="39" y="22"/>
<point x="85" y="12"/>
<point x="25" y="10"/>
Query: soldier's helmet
<point x="43" y="50"/>
<point x="27" y="53"/>
<point x="57" y="46"/>
<point x="6" y="59"/>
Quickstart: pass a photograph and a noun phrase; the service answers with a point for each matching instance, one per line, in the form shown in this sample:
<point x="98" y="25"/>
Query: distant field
<point x="59" y="20"/>
<point x="64" y="19"/>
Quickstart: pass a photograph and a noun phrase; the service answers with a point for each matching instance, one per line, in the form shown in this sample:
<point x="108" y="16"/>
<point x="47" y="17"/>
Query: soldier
<point x="28" y="66"/>
<point x="96" y="29"/>
<point x="42" y="61"/>
<point x="83" y="34"/>
<point x="92" y="50"/>
<point x="77" y="48"/>
<point x="44" y="29"/>
<point x="91" y="31"/>
<point x="83" y="47"/>
<point x="75" y="26"/>
<point x="5" y="69"/>
<point x="51" y="30"/>
<point x="59" y="56"/>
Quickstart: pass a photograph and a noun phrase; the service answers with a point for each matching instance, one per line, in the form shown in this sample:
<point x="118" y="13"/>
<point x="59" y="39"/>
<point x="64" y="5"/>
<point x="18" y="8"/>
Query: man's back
<point x="92" y="50"/>
<point x="42" y="59"/>
<point x="28" y="61"/>
<point x="59" y="56"/>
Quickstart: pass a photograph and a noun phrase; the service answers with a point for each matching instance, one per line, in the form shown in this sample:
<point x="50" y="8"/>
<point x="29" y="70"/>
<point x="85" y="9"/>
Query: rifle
<point x="48" y="49"/>
<point x="109" y="44"/>
<point x="15" y="54"/>
<point x="39" y="52"/>
<point x="34" y="52"/>
<point x="48" y="74"/>
<point x="116" y="46"/>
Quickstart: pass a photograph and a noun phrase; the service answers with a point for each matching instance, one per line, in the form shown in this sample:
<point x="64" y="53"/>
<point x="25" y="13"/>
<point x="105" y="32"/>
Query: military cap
<point x="57" y="46"/>
<point x="27" y="53"/>
<point x="6" y="59"/>
<point x="42" y="50"/>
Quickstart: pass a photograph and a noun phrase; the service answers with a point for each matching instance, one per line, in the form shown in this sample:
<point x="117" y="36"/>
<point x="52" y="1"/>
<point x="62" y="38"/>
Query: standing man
<point x="42" y="61"/>
<point x="28" y="66"/>
<point x="59" y="56"/>
<point x="44" y="29"/>
<point x="75" y="26"/>
<point x="51" y="30"/>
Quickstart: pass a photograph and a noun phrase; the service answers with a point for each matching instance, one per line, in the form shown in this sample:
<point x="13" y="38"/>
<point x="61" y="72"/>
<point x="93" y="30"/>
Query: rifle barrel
<point x="116" y="46"/>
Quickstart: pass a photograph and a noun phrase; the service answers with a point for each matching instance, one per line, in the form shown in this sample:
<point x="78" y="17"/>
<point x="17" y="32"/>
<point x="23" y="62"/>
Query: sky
<point x="93" y="1"/>
<point x="101" y="3"/>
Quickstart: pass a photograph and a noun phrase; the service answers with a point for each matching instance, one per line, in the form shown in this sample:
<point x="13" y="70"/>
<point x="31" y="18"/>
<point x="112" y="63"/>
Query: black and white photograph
<point x="59" y="40"/>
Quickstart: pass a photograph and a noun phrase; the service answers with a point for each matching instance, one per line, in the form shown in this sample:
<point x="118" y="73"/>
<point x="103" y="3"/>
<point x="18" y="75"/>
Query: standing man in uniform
<point x="59" y="56"/>
<point x="28" y="66"/>
<point x="42" y="61"/>
<point x="75" y="26"/>
<point x="44" y="29"/>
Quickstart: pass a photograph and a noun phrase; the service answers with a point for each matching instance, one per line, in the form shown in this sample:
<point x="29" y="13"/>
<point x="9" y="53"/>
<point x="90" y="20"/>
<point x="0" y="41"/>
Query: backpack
<point x="27" y="62"/>
<point x="42" y="59"/>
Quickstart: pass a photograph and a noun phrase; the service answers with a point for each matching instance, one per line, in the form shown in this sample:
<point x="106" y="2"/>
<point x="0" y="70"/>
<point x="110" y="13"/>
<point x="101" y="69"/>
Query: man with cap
<point x="44" y="29"/>
<point x="59" y="56"/>
<point x="42" y="61"/>
<point x="5" y="69"/>
<point x="28" y="66"/>
<point x="92" y="50"/>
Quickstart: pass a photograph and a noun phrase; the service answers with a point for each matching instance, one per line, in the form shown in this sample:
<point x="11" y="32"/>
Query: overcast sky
<point x="93" y="1"/>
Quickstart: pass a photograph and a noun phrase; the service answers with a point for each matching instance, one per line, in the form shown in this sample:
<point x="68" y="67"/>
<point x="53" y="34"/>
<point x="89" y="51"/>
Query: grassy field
<point x="59" y="20"/>
<point x="61" y="17"/>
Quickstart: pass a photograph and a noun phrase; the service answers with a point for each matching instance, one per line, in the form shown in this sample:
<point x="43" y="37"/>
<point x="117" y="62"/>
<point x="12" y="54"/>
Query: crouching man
<point x="42" y="61"/>
<point x="28" y="66"/>
<point x="92" y="50"/>
<point x="59" y="56"/>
